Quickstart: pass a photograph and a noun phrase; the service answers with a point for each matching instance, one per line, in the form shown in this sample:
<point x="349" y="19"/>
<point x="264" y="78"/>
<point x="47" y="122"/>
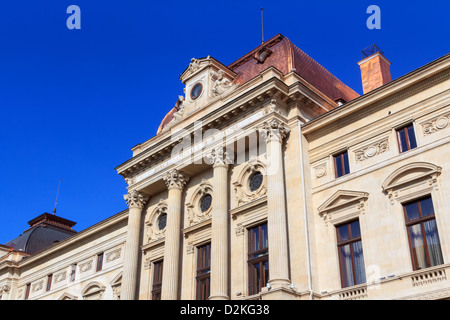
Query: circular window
<point x="255" y="181"/>
<point x="196" y="91"/>
<point x="162" y="221"/>
<point x="205" y="202"/>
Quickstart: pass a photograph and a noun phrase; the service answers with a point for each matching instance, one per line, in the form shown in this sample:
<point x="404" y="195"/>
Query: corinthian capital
<point x="136" y="198"/>
<point x="175" y="179"/>
<point x="219" y="157"/>
<point x="274" y="129"/>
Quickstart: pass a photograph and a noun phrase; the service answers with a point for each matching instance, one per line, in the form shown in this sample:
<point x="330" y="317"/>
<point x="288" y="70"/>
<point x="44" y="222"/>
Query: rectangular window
<point x="203" y="271"/>
<point x="341" y="166"/>
<point x="27" y="291"/>
<point x="406" y="138"/>
<point x="351" y="258"/>
<point x="99" y="262"/>
<point x="258" y="258"/>
<point x="73" y="271"/>
<point x="157" y="280"/>
<point x="423" y="235"/>
<point x="49" y="282"/>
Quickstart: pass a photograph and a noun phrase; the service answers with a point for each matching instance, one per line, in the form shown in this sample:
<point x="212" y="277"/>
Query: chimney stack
<point x="375" y="69"/>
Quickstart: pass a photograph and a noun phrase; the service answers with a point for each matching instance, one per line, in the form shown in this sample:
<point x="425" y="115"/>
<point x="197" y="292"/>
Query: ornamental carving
<point x="175" y="179"/>
<point x="153" y="227"/>
<point x="195" y="212"/>
<point x="136" y="198"/>
<point x="272" y="107"/>
<point x="274" y="129"/>
<point x="37" y="286"/>
<point x="61" y="276"/>
<point x="245" y="192"/>
<point x="86" y="266"/>
<point x="436" y="124"/>
<point x="321" y="170"/>
<point x="372" y="150"/>
<point x="194" y="65"/>
<point x="113" y="255"/>
<point x="219" y="157"/>
<point x="221" y="84"/>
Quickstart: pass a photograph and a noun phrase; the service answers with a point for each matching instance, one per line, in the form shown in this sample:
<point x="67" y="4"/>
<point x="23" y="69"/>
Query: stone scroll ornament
<point x="136" y="198"/>
<point x="175" y="179"/>
<point x="274" y="129"/>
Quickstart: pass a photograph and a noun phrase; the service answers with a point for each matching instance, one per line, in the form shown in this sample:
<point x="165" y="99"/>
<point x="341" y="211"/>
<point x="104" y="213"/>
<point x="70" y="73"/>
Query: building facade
<point x="271" y="179"/>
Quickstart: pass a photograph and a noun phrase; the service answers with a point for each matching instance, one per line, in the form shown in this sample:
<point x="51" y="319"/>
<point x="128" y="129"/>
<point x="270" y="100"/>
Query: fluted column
<point x="274" y="132"/>
<point x="220" y="226"/>
<point x="175" y="181"/>
<point x="136" y="201"/>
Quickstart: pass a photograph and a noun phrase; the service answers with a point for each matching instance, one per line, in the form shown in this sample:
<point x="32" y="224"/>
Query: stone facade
<point x="263" y="151"/>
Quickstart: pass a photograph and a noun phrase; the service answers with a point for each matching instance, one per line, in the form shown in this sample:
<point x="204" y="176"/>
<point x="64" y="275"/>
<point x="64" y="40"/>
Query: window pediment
<point x="409" y="173"/>
<point x="343" y="205"/>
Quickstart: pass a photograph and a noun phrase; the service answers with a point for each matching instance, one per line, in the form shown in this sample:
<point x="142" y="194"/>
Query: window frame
<point x="340" y="155"/>
<point x="260" y="260"/>
<point x="157" y="279"/>
<point x="203" y="272"/>
<point x="404" y="129"/>
<point x="99" y="262"/>
<point x="343" y="243"/>
<point x="421" y="220"/>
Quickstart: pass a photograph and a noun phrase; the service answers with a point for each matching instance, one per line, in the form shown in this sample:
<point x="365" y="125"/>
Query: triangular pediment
<point x="342" y="198"/>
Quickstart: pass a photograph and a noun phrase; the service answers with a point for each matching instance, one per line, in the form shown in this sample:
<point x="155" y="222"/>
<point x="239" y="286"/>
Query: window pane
<point x="360" y="272"/>
<point x="346" y="165"/>
<point x="255" y="239"/>
<point x="427" y="207"/>
<point x="412" y="137"/>
<point x="412" y="211"/>
<point x="402" y="140"/>
<point x="264" y="237"/>
<point x="417" y="247"/>
<point x="343" y="233"/>
<point x="338" y="165"/>
<point x="346" y="266"/>
<point x="355" y="230"/>
<point x="266" y="273"/>
<point x="434" y="245"/>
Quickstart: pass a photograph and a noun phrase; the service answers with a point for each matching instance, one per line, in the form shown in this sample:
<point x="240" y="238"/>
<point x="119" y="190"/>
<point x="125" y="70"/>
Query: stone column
<point x="220" y="226"/>
<point x="274" y="131"/>
<point x="136" y="201"/>
<point x="175" y="181"/>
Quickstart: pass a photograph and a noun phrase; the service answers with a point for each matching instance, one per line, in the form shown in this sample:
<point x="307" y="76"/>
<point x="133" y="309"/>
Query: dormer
<point x="205" y="80"/>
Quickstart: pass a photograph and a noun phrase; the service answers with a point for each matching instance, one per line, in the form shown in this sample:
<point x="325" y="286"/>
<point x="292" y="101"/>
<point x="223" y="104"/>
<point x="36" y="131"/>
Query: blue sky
<point x="74" y="102"/>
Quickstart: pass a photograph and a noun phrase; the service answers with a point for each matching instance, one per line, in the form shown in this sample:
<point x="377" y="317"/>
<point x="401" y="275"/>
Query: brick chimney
<point x="375" y="69"/>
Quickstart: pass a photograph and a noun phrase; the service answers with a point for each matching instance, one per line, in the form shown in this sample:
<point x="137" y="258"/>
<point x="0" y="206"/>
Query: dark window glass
<point x="49" y="282"/>
<point x="423" y="235"/>
<point x="255" y="181"/>
<point x="162" y="221"/>
<point x="258" y="258"/>
<point x="351" y="258"/>
<point x="203" y="271"/>
<point x="406" y="138"/>
<point x="157" y="280"/>
<point x="99" y="262"/>
<point x="27" y="291"/>
<point x="73" y="272"/>
<point x="196" y="91"/>
<point x="205" y="202"/>
<point x="341" y="164"/>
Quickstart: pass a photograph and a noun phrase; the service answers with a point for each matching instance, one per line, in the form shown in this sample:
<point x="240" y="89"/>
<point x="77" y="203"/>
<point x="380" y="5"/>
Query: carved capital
<point x="136" y="198"/>
<point x="175" y="179"/>
<point x="274" y="130"/>
<point x="219" y="157"/>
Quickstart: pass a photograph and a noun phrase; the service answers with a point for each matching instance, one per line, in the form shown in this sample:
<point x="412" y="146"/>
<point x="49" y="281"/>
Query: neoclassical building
<point x="269" y="179"/>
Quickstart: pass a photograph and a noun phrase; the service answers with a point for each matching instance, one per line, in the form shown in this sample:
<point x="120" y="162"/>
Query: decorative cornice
<point x="175" y="179"/>
<point x="136" y="198"/>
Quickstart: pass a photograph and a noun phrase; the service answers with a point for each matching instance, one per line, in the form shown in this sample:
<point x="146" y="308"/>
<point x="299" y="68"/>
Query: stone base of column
<point x="279" y="283"/>
<point x="219" y="297"/>
<point x="280" y="293"/>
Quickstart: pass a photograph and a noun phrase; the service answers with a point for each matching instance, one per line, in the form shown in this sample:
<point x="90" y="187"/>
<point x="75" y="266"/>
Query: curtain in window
<point x="417" y="246"/>
<point x="346" y="266"/>
<point x="360" y="273"/>
<point x="434" y="246"/>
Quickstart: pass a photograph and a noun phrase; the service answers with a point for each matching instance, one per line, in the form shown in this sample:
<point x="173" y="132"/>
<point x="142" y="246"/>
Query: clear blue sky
<point x="74" y="102"/>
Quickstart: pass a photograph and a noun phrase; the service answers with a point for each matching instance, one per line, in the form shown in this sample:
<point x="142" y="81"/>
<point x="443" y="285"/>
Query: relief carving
<point x="435" y="124"/>
<point x="221" y="84"/>
<point x="372" y="150"/>
<point x="243" y="191"/>
<point x="194" y="211"/>
<point x="154" y="229"/>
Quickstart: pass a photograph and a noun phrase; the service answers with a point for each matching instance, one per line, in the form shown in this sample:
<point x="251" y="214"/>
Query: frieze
<point x="436" y="124"/>
<point x="372" y="150"/>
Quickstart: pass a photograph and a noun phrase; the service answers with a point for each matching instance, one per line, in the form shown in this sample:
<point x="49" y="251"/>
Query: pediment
<point x="68" y="296"/>
<point x="342" y="198"/>
<point x="197" y="66"/>
<point x="409" y="173"/>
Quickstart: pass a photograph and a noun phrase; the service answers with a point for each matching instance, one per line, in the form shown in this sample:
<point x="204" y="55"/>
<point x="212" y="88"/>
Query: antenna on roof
<point x="56" y="201"/>
<point x="262" y="26"/>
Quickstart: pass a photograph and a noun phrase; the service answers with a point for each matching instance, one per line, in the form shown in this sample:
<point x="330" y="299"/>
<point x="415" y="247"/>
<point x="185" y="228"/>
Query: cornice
<point x="380" y="97"/>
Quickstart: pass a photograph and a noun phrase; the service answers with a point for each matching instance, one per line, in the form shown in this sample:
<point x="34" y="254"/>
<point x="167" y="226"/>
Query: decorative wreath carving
<point x="194" y="210"/>
<point x="153" y="229"/>
<point x="243" y="191"/>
